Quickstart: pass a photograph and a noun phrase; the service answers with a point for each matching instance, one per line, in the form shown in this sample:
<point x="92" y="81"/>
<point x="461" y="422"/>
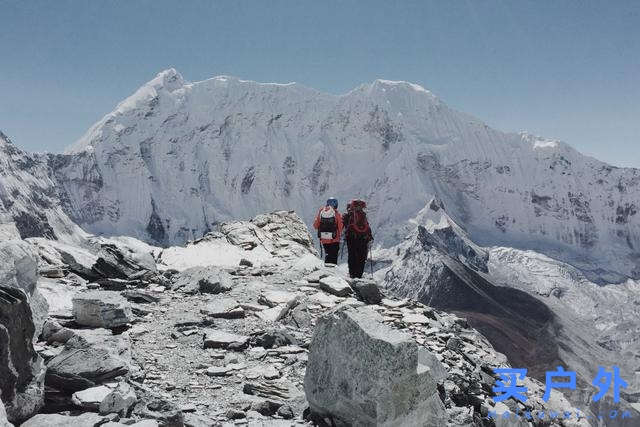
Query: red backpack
<point x="358" y="224"/>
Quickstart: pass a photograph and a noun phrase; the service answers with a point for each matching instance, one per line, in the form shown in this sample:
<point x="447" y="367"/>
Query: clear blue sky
<point x="563" y="69"/>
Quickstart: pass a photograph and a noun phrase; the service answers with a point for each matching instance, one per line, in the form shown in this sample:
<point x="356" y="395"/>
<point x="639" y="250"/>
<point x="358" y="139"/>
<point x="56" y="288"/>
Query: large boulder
<point x="18" y="265"/>
<point x="367" y="291"/>
<point x="362" y="372"/>
<point x="89" y="359"/>
<point x="19" y="269"/>
<point x="101" y="309"/>
<point x="21" y="369"/>
<point x="121" y="261"/>
<point x="76" y="259"/>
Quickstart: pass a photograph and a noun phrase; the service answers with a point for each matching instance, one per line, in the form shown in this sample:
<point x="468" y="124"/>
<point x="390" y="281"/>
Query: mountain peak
<point x="4" y="138"/>
<point x="382" y="83"/>
<point x="170" y="79"/>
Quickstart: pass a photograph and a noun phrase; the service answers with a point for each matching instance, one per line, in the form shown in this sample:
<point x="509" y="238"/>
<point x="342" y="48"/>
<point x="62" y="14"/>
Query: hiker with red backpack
<point x="358" y="236"/>
<point x="328" y="222"/>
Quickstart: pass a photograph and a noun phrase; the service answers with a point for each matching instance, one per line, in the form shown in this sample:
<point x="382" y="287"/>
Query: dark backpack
<point x="328" y="223"/>
<point x="358" y="225"/>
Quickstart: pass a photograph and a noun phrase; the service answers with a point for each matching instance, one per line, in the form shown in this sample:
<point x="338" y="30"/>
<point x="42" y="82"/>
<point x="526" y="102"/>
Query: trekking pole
<point x="371" y="261"/>
<point x="321" y="249"/>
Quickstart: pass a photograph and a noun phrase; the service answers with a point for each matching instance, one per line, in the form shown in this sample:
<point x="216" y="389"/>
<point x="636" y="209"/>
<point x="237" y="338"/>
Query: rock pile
<point x="236" y="345"/>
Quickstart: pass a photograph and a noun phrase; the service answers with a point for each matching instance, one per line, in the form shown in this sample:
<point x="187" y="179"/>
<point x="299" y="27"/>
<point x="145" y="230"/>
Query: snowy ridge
<point x="177" y="158"/>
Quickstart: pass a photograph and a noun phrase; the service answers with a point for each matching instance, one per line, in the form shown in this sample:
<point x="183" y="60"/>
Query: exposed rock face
<point x="362" y="372"/>
<point x="101" y="309"/>
<point x="19" y="269"/>
<point x="21" y="369"/>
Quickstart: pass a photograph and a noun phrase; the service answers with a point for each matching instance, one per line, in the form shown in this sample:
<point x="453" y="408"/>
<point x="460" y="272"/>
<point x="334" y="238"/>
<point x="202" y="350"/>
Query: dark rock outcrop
<point x="21" y="369"/>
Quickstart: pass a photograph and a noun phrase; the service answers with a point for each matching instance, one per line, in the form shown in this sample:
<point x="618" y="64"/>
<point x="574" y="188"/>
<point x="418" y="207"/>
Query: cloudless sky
<point x="561" y="69"/>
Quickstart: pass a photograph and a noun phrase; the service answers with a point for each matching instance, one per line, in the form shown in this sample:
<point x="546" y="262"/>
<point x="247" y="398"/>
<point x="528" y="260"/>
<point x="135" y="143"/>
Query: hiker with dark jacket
<point x="328" y="222"/>
<point x="358" y="236"/>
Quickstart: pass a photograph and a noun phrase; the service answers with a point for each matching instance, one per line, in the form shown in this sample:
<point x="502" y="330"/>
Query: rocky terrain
<point x="538" y="312"/>
<point x="276" y="339"/>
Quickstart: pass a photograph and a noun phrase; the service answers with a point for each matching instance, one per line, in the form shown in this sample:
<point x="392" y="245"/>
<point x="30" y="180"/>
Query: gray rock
<point x="272" y="298"/>
<point x="273" y="314"/>
<point x="235" y="414"/>
<point x="286" y="412"/>
<point x="219" y="371"/>
<point x="225" y="308"/>
<point x="140" y="297"/>
<point x="167" y="413"/>
<point x="362" y="372"/>
<point x="88" y="419"/>
<point x="101" y="309"/>
<point x="89" y="360"/>
<point x="144" y="423"/>
<point x="208" y="280"/>
<point x="274" y="337"/>
<point x="316" y="276"/>
<point x="214" y="338"/>
<point x="266" y="407"/>
<point x="53" y="272"/>
<point x="415" y="318"/>
<point x="117" y="260"/>
<point x="271" y="389"/>
<point x="18" y="265"/>
<point x="336" y="286"/>
<point x="90" y="398"/>
<point x="367" y="291"/>
<point x="119" y="401"/>
<point x="21" y="369"/>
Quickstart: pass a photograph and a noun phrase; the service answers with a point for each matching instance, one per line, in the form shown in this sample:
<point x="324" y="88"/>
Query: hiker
<point x="328" y="222"/>
<point x="358" y="236"/>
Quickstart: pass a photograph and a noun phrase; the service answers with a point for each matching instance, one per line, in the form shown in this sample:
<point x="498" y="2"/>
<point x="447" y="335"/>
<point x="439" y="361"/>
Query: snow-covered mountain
<point x="29" y="198"/>
<point x="176" y="158"/>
